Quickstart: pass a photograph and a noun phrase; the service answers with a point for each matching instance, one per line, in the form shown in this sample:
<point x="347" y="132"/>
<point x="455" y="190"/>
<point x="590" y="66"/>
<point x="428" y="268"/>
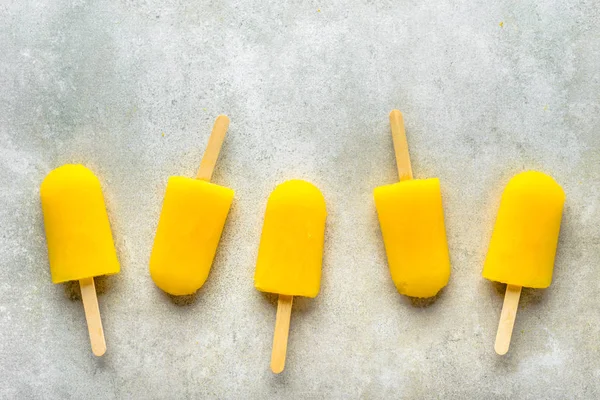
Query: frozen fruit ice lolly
<point x="525" y="236"/>
<point x="290" y="253"/>
<point x="80" y="243"/>
<point x="188" y="233"/>
<point x="524" y="241"/>
<point x="191" y="222"/>
<point x="412" y="225"/>
<point x="291" y="245"/>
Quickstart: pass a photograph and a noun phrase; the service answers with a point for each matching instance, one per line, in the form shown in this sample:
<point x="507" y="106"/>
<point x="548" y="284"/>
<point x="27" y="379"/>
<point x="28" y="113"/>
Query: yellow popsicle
<point x="525" y="236"/>
<point x="188" y="233"/>
<point x="80" y="243"/>
<point x="412" y="225"/>
<point x="291" y="245"/>
<point x="523" y="244"/>
<point x="290" y="253"/>
<point x="191" y="222"/>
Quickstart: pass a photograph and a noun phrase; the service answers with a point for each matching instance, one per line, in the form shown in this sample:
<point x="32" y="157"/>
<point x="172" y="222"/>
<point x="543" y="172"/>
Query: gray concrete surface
<point x="130" y="89"/>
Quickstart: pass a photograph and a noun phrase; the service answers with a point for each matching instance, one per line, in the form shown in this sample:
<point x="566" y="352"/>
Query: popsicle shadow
<point x="181" y="301"/>
<point x="427" y="302"/>
<point x="529" y="296"/>
<point x="301" y="304"/>
<point x="270" y="298"/>
<point x="103" y="284"/>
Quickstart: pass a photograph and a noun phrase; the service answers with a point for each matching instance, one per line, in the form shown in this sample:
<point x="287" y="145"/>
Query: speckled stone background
<point x="130" y="89"/>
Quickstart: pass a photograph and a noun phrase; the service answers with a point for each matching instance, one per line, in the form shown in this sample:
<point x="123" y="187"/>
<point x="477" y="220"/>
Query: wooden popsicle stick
<point x="282" y="329"/>
<point x="507" y="319"/>
<point x="400" y="145"/>
<point x="92" y="316"/>
<point x="215" y="141"/>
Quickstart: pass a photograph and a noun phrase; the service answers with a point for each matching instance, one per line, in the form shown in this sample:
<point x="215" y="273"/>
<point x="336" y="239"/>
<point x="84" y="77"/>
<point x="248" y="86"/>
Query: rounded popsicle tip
<point x="68" y="174"/>
<point x="174" y="283"/>
<point x="535" y="180"/>
<point x="299" y="191"/>
<point x="70" y="169"/>
<point x="424" y="289"/>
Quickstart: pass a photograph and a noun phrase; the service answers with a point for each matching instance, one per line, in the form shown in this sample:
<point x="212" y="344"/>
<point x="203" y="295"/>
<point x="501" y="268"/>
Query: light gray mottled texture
<point x="130" y="89"/>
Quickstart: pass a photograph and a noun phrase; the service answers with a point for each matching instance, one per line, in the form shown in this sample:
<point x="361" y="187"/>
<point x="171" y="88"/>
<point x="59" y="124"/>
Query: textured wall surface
<point x="130" y="89"/>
